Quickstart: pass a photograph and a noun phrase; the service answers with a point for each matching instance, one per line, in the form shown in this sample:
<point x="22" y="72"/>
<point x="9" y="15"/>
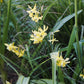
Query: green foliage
<point x="36" y="65"/>
<point x="23" y="80"/>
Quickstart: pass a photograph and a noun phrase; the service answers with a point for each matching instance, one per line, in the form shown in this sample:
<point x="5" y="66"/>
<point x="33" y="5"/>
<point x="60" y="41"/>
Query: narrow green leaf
<point x="77" y="70"/>
<point x="60" y="23"/>
<point x="60" y="74"/>
<point x="46" y="12"/>
<point x="63" y="49"/>
<point x="20" y="79"/>
<point x="41" y="81"/>
<point x="23" y="80"/>
<point x="78" y="46"/>
<point x="14" y="20"/>
<point x="81" y="42"/>
<point x="75" y="46"/>
<point x="28" y="56"/>
<point x="71" y="41"/>
<point x="5" y="34"/>
<point x="26" y="80"/>
<point x="5" y="29"/>
<point x="8" y="63"/>
<point x="38" y="67"/>
<point x="0" y="28"/>
<point x="70" y="79"/>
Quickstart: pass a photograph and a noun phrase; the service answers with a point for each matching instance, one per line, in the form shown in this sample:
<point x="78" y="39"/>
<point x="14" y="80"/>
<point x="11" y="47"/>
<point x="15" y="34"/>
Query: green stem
<point x="3" y="75"/>
<point x="80" y="6"/>
<point x="76" y="21"/>
<point x="54" y="71"/>
<point x="76" y="33"/>
<point x="78" y="47"/>
<point x="5" y="33"/>
<point x="0" y="27"/>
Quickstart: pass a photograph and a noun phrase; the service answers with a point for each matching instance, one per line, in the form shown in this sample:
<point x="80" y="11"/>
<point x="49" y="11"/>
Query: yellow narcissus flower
<point x="82" y="75"/>
<point x="36" y="37"/>
<point x="32" y="10"/>
<point x="52" y="39"/>
<point x="10" y="46"/>
<point x="42" y="31"/>
<point x="36" y="18"/>
<point x="39" y="35"/>
<point x="1" y="1"/>
<point x="59" y="59"/>
<point x="34" y="14"/>
<point x="61" y="62"/>
<point x="8" y="82"/>
<point x="19" y="52"/>
<point x="56" y="31"/>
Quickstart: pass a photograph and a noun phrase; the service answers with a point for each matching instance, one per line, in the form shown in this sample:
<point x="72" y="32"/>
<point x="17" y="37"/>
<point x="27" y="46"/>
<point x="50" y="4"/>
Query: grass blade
<point x="23" y="80"/>
<point x="60" y="23"/>
<point x="71" y="41"/>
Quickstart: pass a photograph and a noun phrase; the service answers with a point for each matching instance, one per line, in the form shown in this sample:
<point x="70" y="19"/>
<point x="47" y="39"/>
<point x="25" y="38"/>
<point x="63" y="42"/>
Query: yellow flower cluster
<point x="39" y="35"/>
<point x="82" y="75"/>
<point x="1" y="1"/>
<point x="34" y="14"/>
<point x="19" y="52"/>
<point x="52" y="39"/>
<point x="10" y="46"/>
<point x="62" y="62"/>
<point x="7" y="82"/>
<point x="59" y="59"/>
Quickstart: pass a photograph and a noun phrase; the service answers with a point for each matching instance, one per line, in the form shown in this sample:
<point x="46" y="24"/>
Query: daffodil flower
<point x="1" y="1"/>
<point x="39" y="35"/>
<point x="60" y="61"/>
<point x="7" y="82"/>
<point x="82" y="75"/>
<point x="52" y="39"/>
<point x="19" y="52"/>
<point x="10" y="46"/>
<point x="34" y="14"/>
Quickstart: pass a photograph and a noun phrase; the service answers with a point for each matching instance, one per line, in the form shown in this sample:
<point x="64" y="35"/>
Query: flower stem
<point x="54" y="71"/>
<point x="0" y="26"/>
<point x="76" y="21"/>
<point x="5" y="34"/>
<point x="76" y="33"/>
